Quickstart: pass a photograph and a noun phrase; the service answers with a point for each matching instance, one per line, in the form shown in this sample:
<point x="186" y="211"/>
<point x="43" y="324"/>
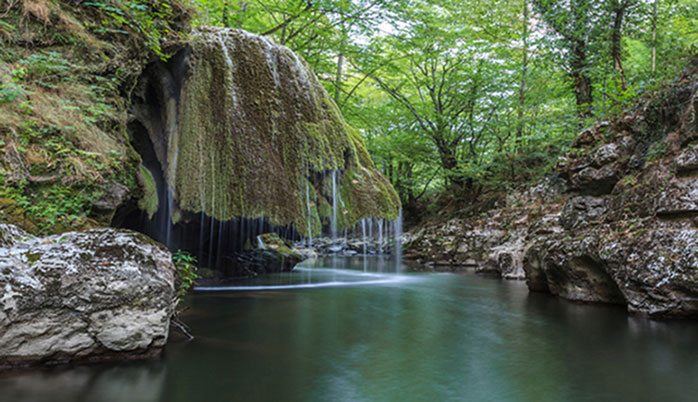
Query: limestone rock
<point x="688" y="160"/>
<point x="93" y="295"/>
<point x="113" y="198"/>
<point x="595" y="181"/>
<point x="571" y="269"/>
<point x="681" y="197"/>
<point x="656" y="270"/>
<point x="272" y="254"/>
<point x="606" y="154"/>
<point x="581" y="210"/>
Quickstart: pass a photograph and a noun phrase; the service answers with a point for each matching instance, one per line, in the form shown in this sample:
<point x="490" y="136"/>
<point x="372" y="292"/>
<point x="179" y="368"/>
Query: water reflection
<point x="428" y="337"/>
<point x="131" y="382"/>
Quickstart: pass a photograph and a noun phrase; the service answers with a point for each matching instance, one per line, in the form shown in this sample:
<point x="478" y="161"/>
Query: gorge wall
<point x="615" y="224"/>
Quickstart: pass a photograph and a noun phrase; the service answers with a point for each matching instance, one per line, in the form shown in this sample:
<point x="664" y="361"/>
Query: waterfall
<point x="310" y="216"/>
<point x="380" y="236"/>
<point x="363" y="234"/>
<point x="397" y="247"/>
<point x="333" y="223"/>
<point x="216" y="170"/>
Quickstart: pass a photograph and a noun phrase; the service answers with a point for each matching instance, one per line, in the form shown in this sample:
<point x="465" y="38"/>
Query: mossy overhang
<point x="257" y="135"/>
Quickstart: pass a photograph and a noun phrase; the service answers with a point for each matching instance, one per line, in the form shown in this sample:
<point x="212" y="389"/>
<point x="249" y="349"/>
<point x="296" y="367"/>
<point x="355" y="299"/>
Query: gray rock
<point x="581" y="210"/>
<point x="653" y="272"/>
<point x="506" y="260"/>
<point x="688" y="160"/>
<point x="656" y="270"/>
<point x="94" y="295"/>
<point x="680" y="198"/>
<point x="594" y="181"/>
<point x="113" y="198"/>
<point x="571" y="268"/>
<point x="11" y="235"/>
<point x="606" y="154"/>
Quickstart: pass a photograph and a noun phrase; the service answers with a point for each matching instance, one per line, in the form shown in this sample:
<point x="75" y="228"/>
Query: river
<point x="359" y="333"/>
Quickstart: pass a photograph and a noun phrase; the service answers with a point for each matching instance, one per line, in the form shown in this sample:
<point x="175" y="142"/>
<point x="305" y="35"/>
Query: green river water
<point x="355" y="333"/>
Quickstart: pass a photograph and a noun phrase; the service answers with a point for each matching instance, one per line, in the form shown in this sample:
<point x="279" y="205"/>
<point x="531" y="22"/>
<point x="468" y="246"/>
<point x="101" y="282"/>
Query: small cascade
<point x="380" y="236"/>
<point x="364" y="240"/>
<point x="397" y="246"/>
<point x="310" y="217"/>
<point x="363" y="235"/>
<point x="333" y="223"/>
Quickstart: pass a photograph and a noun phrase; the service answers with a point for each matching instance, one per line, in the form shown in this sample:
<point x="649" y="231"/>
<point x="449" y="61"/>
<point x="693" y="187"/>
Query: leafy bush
<point x="185" y="265"/>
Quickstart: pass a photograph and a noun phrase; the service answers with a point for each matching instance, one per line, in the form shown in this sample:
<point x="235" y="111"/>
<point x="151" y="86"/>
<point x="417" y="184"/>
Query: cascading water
<point x="333" y="223"/>
<point x="363" y="235"/>
<point x="397" y="246"/>
<point x="310" y="217"/>
<point x="380" y="236"/>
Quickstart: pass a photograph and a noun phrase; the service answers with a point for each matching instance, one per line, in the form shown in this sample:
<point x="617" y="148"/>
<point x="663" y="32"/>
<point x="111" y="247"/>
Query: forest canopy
<point x="459" y="99"/>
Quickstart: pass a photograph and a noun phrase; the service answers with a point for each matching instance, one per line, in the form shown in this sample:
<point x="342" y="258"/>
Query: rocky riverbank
<point x="616" y="224"/>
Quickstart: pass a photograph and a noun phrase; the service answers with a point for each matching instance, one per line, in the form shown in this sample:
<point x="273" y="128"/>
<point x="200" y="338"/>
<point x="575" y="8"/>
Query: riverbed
<point x="354" y="329"/>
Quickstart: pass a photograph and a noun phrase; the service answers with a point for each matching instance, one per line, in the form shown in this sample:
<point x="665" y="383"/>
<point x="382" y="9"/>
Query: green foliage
<point x="185" y="266"/>
<point x="149" y="19"/>
<point x="656" y="151"/>
<point x="440" y="90"/>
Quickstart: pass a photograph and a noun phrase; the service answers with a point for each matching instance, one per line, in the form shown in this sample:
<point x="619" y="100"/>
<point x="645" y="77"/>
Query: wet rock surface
<point x="101" y="294"/>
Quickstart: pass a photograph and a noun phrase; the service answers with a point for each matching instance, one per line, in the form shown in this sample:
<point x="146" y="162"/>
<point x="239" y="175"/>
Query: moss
<point x="149" y="202"/>
<point x="273" y="242"/>
<point x="258" y="132"/>
<point x="33" y="257"/>
<point x="64" y="72"/>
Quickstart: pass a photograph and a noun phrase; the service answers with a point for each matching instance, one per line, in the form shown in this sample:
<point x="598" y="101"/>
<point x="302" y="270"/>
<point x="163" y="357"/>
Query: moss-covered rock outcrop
<point x="66" y="72"/>
<point x="248" y="132"/>
<point x="256" y="135"/>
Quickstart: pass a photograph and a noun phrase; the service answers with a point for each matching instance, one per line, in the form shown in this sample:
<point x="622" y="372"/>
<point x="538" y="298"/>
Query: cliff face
<point x="67" y="69"/>
<point x="241" y="127"/>
<point x="621" y="225"/>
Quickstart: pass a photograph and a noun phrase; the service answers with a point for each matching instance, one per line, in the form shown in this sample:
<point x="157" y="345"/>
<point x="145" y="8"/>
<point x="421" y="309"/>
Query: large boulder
<point x="95" y="295"/>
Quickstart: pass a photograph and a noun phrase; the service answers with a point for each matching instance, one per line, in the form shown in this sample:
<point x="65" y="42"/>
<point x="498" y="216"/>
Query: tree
<point x="573" y="22"/>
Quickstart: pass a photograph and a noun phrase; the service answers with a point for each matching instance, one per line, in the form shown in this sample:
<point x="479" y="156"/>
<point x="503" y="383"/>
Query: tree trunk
<point x="224" y="15"/>
<point x="449" y="162"/>
<point x="338" y="78"/>
<point x="524" y="71"/>
<point x="616" y="37"/>
<point x="654" y="36"/>
<point x="582" y="82"/>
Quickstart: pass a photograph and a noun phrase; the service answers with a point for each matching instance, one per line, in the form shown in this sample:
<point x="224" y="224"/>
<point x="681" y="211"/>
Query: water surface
<point x="361" y="333"/>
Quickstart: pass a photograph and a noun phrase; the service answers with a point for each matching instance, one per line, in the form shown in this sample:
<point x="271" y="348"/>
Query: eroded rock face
<point x="494" y="243"/>
<point x="628" y="231"/>
<point x="650" y="267"/>
<point x="94" y="295"/>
